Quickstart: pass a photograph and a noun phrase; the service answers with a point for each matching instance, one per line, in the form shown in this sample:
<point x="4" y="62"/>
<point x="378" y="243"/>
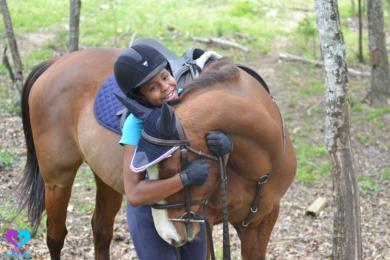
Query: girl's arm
<point x="142" y="192"/>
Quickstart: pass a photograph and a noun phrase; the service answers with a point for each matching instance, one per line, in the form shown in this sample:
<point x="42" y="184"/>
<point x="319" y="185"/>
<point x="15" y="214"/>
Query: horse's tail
<point x="31" y="186"/>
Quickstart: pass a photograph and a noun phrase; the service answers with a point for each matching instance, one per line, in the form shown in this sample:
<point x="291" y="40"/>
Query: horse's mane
<point x="219" y="71"/>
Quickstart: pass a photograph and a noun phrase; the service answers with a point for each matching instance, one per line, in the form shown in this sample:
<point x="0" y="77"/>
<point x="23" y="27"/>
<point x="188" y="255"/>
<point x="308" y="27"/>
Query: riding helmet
<point x="136" y="66"/>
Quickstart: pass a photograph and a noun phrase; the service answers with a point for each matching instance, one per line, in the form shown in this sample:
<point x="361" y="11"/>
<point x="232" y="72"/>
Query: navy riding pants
<point x="149" y="245"/>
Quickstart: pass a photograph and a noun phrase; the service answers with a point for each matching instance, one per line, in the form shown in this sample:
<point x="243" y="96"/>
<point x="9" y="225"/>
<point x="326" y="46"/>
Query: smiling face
<point x="162" y="88"/>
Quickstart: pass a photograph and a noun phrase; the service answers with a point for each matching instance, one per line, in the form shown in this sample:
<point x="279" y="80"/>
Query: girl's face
<point x="163" y="87"/>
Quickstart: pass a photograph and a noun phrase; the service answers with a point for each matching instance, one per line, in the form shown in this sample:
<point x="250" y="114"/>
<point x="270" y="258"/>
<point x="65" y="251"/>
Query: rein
<point x="190" y="216"/>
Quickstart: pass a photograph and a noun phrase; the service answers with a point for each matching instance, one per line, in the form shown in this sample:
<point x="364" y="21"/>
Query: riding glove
<point x="219" y="143"/>
<point x="196" y="173"/>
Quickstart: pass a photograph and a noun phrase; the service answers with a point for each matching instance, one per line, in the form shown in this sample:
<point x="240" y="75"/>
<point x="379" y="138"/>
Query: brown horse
<point x="62" y="133"/>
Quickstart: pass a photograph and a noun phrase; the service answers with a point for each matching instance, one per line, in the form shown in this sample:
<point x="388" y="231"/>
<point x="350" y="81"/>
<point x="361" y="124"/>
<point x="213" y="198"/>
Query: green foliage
<point x="385" y="173"/>
<point x="376" y="114"/>
<point x="312" y="162"/>
<point x="315" y="87"/>
<point x="245" y="9"/>
<point x="307" y="29"/>
<point x="6" y="159"/>
<point x="356" y="106"/>
<point x="367" y="183"/>
<point x="364" y="138"/>
<point x="8" y="106"/>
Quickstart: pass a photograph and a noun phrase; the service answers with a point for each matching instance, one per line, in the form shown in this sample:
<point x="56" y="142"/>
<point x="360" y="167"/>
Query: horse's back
<point x="64" y="129"/>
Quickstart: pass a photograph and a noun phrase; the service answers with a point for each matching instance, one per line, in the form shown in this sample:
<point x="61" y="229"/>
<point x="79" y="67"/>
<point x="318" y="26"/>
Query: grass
<point x="364" y="138"/>
<point x="367" y="184"/>
<point x="312" y="162"/>
<point x="375" y="114"/>
<point x="113" y="23"/>
<point x="6" y="159"/>
<point x="315" y="87"/>
<point x="385" y="174"/>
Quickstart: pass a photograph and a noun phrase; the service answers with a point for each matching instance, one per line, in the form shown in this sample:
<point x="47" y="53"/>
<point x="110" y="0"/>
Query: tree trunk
<point x="379" y="92"/>
<point x="347" y="233"/>
<point x="360" y="55"/>
<point x="353" y="8"/>
<point x="74" y="25"/>
<point x="18" y="75"/>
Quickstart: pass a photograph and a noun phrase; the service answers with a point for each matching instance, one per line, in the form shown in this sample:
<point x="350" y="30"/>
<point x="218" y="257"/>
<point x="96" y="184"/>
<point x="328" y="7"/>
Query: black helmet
<point x="137" y="65"/>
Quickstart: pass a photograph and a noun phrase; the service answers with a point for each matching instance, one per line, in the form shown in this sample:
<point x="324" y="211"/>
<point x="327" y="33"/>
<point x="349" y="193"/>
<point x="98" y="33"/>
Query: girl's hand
<point x="196" y="173"/>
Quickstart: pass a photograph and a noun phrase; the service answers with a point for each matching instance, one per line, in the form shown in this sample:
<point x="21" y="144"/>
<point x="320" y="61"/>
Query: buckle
<point x="244" y="224"/>
<point x="263" y="179"/>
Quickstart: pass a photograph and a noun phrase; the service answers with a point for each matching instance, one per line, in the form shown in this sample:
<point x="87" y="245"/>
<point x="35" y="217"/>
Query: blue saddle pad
<point x="107" y="105"/>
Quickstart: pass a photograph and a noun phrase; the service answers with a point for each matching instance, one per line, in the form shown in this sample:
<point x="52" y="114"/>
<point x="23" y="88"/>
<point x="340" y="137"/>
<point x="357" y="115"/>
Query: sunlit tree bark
<point x="347" y="231"/>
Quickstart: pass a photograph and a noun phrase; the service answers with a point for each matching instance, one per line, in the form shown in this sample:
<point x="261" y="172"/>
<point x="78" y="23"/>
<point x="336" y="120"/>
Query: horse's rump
<point x="65" y="131"/>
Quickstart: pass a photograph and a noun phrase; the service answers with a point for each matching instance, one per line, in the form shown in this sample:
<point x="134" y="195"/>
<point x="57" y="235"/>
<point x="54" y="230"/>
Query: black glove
<point x="196" y="173"/>
<point x="218" y="143"/>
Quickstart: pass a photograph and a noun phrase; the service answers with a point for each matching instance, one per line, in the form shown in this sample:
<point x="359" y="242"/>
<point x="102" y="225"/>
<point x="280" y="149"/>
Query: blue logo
<point x="18" y="238"/>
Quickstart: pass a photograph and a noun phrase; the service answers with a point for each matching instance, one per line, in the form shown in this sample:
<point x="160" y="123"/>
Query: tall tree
<point x="347" y="242"/>
<point x="379" y="92"/>
<point x="74" y="25"/>
<point x="18" y="75"/>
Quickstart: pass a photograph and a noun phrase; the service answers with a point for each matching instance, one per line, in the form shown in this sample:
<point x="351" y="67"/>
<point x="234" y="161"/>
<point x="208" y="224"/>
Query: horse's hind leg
<point x="108" y="203"/>
<point x="56" y="200"/>
<point x="59" y="176"/>
<point x="256" y="238"/>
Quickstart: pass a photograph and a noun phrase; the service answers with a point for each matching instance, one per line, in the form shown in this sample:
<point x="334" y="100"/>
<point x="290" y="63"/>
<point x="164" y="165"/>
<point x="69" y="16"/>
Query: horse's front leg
<point x="257" y="235"/>
<point x="108" y="203"/>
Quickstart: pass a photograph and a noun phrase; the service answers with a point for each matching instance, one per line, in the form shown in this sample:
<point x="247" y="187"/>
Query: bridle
<point x="190" y="216"/>
<point x="184" y="144"/>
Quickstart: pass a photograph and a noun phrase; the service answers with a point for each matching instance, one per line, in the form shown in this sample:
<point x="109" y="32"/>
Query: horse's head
<point x="178" y="217"/>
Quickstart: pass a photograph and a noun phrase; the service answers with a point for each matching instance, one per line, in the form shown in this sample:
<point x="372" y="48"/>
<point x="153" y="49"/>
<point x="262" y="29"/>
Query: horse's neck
<point x="255" y="133"/>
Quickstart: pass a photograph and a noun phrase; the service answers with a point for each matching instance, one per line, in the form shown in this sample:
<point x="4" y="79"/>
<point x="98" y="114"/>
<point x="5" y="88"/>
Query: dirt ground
<point x="295" y="236"/>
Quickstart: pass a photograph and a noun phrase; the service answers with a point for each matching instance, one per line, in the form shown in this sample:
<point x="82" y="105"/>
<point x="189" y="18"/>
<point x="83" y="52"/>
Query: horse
<point x="61" y="133"/>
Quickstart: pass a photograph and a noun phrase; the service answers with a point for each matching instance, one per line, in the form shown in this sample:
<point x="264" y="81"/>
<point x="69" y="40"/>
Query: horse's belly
<point x="100" y="150"/>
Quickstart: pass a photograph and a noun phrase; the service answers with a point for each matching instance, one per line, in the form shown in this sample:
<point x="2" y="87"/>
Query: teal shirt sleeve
<point x="131" y="131"/>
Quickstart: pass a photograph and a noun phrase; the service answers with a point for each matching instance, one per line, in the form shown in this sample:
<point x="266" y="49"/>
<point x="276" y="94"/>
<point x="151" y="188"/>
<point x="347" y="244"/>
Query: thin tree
<point x="379" y="92"/>
<point x="347" y="243"/>
<point x="74" y="25"/>
<point x="18" y="74"/>
<point x="360" y="18"/>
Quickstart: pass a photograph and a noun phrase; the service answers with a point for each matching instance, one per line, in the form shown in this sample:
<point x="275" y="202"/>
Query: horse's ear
<point x="134" y="107"/>
<point x="166" y="124"/>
